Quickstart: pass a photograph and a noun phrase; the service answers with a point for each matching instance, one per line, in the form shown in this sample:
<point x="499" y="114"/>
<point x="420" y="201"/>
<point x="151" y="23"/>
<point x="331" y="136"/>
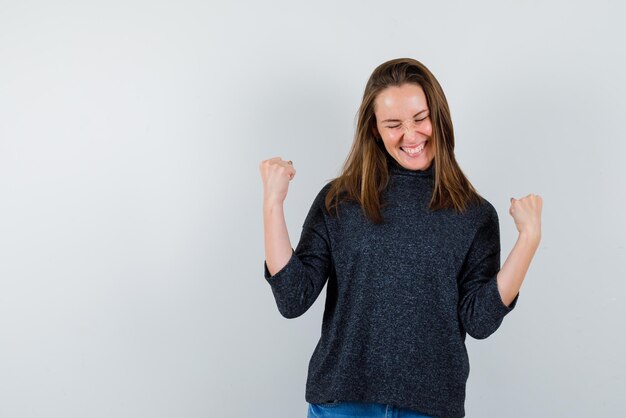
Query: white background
<point x="131" y="228"/>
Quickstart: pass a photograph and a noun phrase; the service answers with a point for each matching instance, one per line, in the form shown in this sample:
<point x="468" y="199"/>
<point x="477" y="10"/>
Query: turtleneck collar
<point x="396" y="169"/>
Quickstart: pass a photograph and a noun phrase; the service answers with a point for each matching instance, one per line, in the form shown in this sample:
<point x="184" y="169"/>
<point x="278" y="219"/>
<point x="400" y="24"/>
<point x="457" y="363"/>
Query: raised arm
<point x="297" y="276"/>
<point x="276" y="175"/>
<point x="487" y="292"/>
<point x="526" y="213"/>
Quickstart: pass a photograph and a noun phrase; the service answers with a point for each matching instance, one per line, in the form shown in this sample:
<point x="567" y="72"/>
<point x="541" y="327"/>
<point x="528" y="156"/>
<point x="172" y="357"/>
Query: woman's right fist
<point x="276" y="174"/>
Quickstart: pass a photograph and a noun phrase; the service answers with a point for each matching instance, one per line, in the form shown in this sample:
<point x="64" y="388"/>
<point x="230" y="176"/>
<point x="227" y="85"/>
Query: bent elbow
<point x="479" y="334"/>
<point x="291" y="313"/>
<point x="481" y="329"/>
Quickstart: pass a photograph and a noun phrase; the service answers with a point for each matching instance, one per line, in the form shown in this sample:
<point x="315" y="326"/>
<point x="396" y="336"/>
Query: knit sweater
<point x="400" y="298"/>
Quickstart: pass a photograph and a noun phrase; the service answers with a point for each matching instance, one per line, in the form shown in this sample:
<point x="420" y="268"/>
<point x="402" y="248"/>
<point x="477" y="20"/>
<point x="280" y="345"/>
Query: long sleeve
<point x="481" y="309"/>
<point x="298" y="284"/>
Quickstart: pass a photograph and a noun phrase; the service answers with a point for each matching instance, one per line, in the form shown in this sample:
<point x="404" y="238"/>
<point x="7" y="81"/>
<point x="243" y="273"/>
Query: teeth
<point x="414" y="150"/>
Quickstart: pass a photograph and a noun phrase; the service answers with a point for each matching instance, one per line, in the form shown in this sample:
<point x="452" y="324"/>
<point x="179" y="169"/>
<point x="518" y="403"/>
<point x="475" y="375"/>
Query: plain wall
<point x="131" y="227"/>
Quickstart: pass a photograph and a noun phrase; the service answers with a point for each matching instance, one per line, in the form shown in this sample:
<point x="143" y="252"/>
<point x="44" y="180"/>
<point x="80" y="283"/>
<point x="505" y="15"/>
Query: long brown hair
<point x="365" y="171"/>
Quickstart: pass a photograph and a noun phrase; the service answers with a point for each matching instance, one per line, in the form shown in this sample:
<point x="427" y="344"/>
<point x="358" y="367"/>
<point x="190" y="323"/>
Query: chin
<point x="423" y="160"/>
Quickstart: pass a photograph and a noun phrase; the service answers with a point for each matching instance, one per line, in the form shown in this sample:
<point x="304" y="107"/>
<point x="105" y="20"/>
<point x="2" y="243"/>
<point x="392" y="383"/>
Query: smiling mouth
<point x="414" y="150"/>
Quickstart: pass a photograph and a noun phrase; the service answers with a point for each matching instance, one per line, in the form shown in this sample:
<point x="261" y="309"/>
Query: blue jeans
<point x="361" y="410"/>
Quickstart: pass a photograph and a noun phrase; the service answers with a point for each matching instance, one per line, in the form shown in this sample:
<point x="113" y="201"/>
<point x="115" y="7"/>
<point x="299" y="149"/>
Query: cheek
<point x="390" y="140"/>
<point x="428" y="129"/>
<point x="392" y="135"/>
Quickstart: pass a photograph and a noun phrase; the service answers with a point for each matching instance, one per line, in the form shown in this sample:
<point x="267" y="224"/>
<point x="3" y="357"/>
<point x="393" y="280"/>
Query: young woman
<point x="410" y="252"/>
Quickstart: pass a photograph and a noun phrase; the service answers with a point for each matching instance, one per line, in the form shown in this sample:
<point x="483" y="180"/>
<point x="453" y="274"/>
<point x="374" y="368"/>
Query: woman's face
<point x="403" y="122"/>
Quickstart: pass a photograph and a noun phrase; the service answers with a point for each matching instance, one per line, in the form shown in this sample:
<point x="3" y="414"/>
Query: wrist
<point x="530" y="236"/>
<point x="272" y="204"/>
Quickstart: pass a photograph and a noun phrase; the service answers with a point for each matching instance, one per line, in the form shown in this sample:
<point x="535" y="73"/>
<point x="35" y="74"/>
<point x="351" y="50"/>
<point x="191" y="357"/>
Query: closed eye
<point x="416" y="120"/>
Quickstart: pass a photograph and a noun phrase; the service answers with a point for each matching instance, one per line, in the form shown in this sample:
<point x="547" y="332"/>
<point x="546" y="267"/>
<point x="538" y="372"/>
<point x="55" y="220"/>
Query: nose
<point x="410" y="129"/>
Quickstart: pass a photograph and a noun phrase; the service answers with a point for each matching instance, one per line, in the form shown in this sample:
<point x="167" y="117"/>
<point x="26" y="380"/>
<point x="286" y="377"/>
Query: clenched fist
<point x="526" y="213"/>
<point x="276" y="175"/>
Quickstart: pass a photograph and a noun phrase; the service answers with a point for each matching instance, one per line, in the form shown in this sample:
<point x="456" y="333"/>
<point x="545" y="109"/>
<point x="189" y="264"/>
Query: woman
<point x="411" y="254"/>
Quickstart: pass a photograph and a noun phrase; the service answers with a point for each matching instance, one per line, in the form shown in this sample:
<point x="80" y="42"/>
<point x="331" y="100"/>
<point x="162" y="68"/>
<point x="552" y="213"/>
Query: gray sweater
<point x="400" y="298"/>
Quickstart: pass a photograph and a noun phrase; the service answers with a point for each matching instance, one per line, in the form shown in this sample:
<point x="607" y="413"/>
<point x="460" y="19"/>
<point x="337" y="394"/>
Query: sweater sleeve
<point x="298" y="284"/>
<point x="481" y="308"/>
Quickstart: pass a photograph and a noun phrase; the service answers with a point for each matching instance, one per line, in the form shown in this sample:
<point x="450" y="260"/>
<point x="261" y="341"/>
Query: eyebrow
<point x="398" y="120"/>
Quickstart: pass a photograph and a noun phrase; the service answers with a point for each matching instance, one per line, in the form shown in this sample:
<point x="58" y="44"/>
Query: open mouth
<point x="415" y="151"/>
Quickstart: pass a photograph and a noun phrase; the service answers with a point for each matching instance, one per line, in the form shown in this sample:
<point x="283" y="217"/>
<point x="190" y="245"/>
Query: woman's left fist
<point x="526" y="213"/>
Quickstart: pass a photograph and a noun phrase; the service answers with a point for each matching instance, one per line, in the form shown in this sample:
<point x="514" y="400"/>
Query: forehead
<point x="406" y="99"/>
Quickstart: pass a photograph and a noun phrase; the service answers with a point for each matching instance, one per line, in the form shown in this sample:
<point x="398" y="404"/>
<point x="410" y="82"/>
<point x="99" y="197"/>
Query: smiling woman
<point x="404" y="115"/>
<point x="411" y="255"/>
<point x="405" y="135"/>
